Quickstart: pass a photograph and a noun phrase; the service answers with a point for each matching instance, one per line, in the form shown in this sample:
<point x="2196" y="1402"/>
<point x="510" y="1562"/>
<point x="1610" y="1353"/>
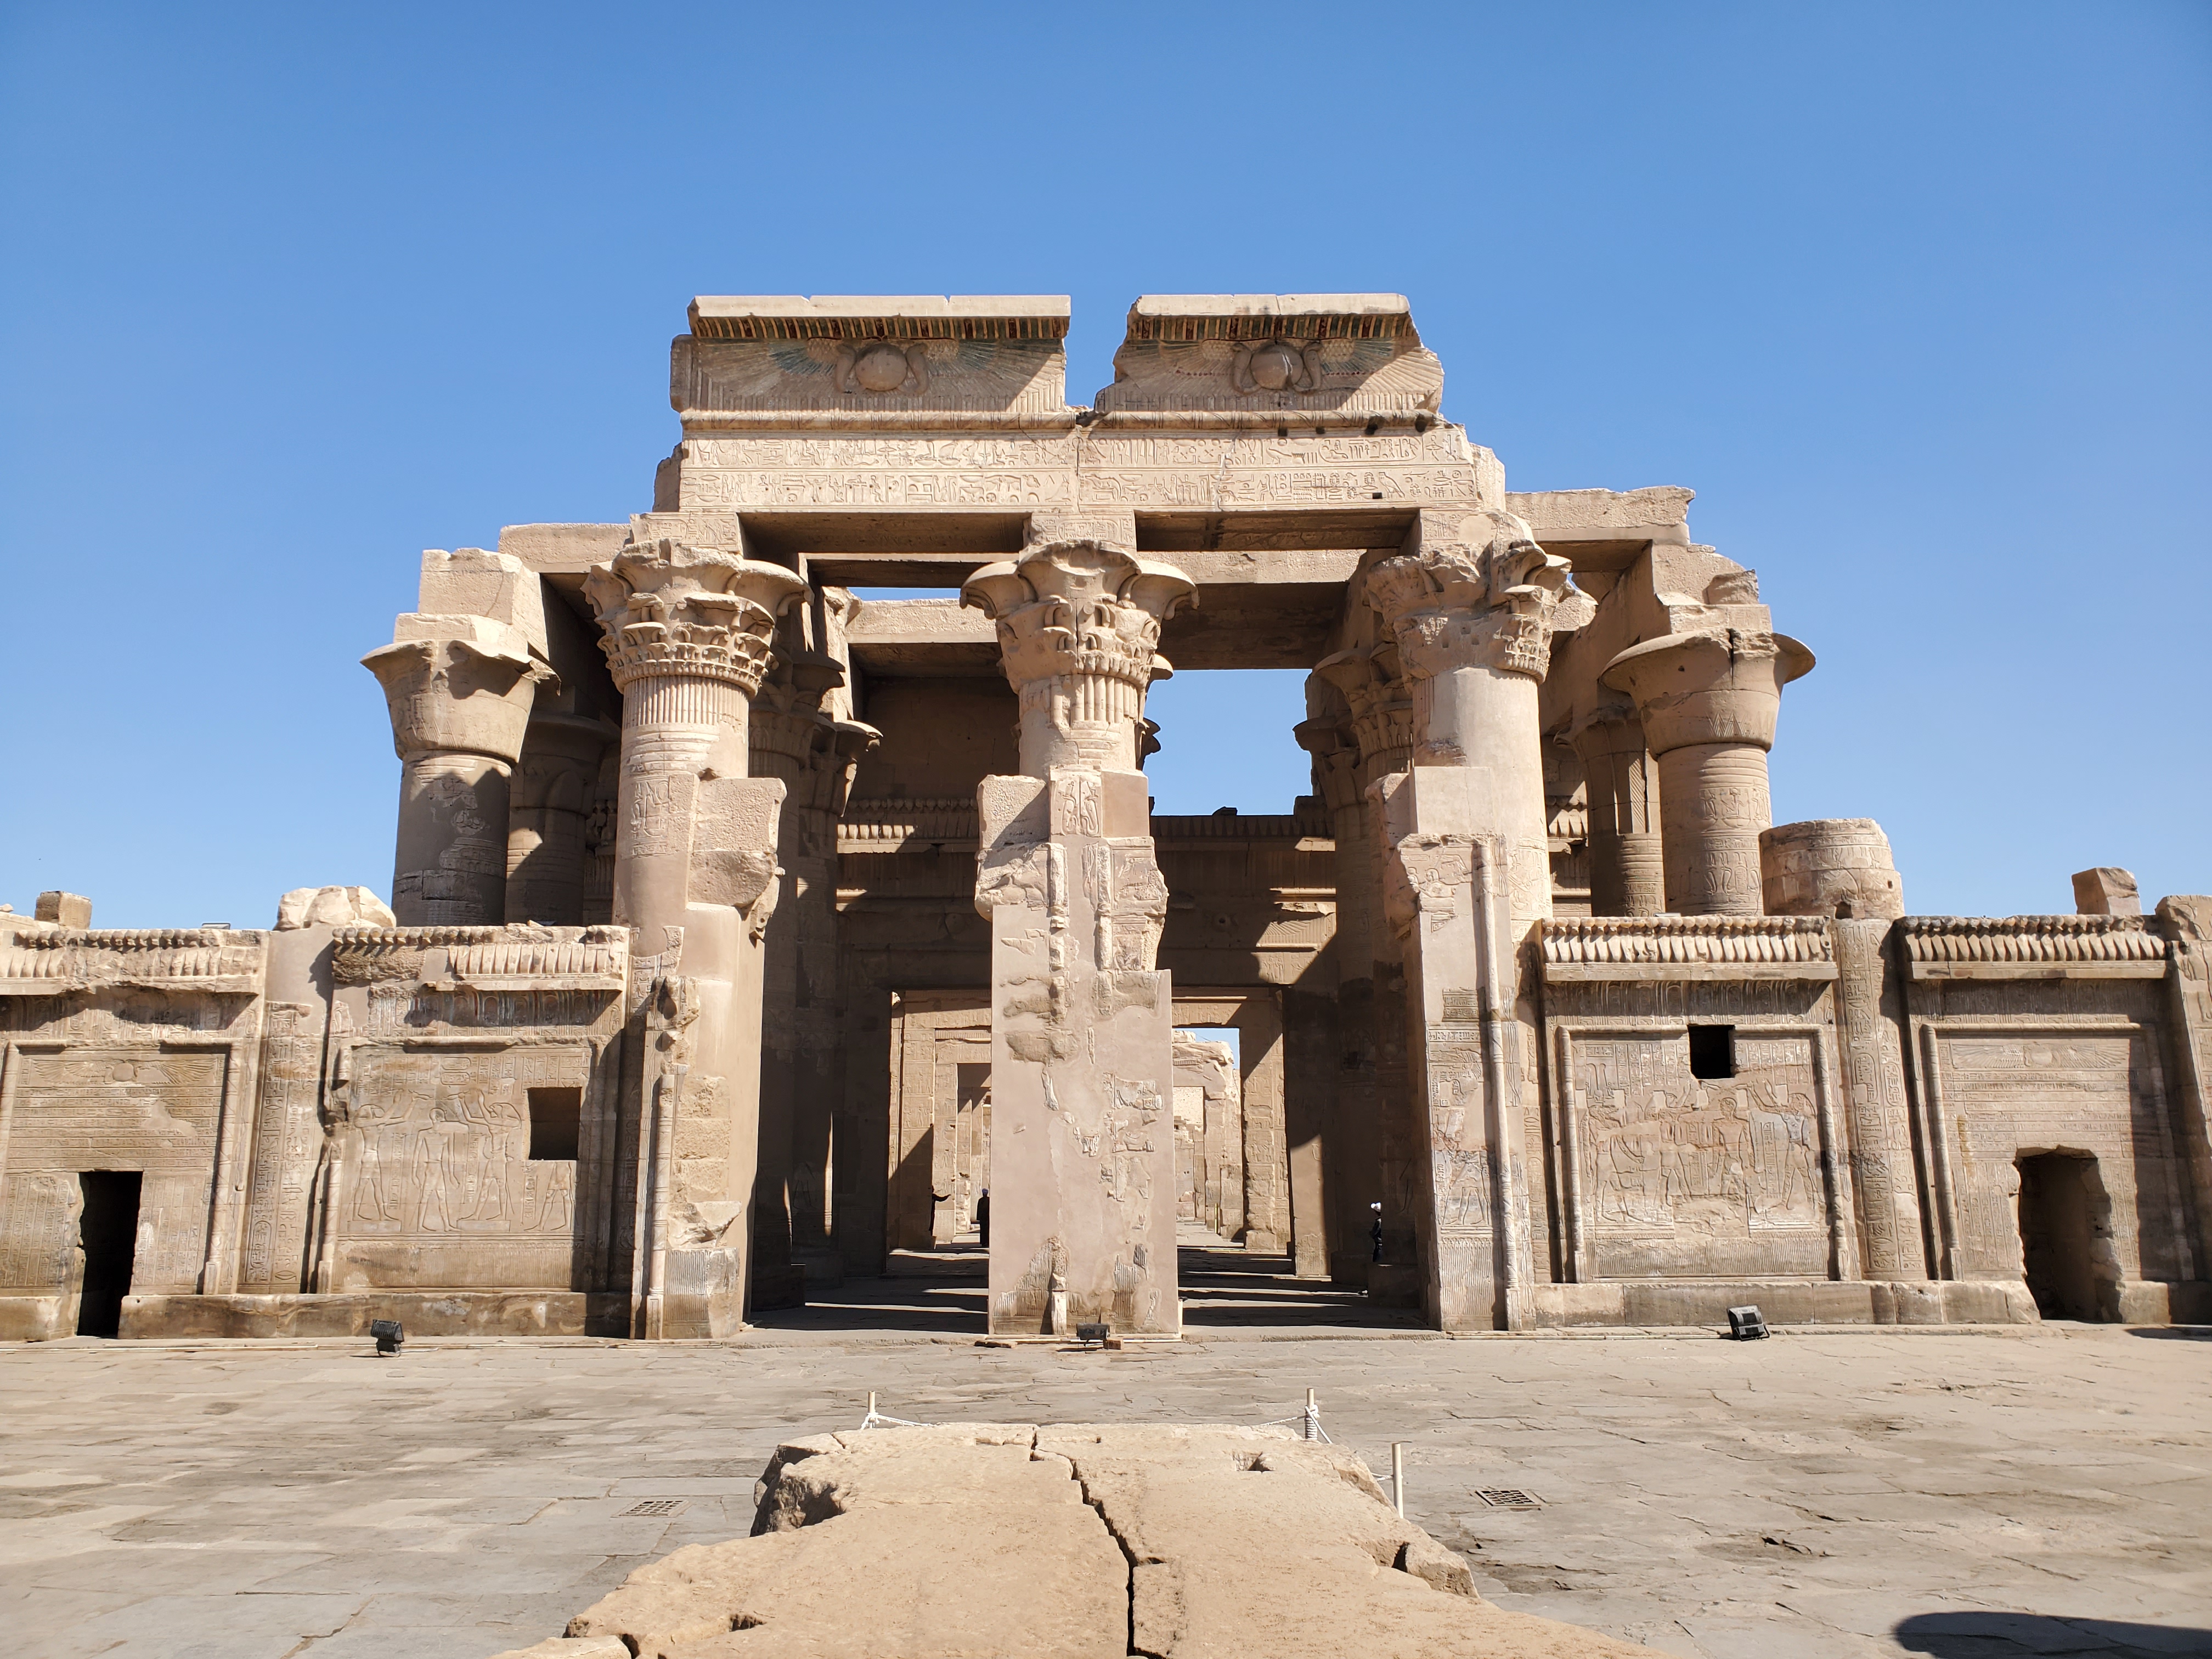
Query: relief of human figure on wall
<point x="444" y="1154"/>
<point x="1671" y="1152"/>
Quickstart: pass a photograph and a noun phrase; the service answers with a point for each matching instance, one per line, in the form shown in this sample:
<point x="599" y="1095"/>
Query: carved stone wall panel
<point x="1693" y="1178"/>
<point x="436" y="1185"/>
<point x="2020" y="1091"/>
<point x="154" y="1110"/>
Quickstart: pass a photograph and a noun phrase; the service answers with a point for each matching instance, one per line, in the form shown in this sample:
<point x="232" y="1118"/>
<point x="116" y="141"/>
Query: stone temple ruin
<point x="744" y="931"/>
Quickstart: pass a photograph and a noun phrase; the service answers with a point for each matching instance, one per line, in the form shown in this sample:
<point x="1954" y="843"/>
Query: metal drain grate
<point x="657" y="1506"/>
<point x="1509" y="1497"/>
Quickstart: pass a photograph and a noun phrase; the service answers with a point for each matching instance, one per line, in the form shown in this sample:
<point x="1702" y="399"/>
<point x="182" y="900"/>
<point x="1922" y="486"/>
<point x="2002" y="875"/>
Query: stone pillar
<point x="2185" y="921"/>
<point x="459" y="689"/>
<point x="1841" y="868"/>
<point x="796" y="738"/>
<point x="1469" y="860"/>
<point x="687" y="631"/>
<point x="1083" y="1203"/>
<point x="1628" y="872"/>
<point x="547" y="856"/>
<point x="1353" y="1172"/>
<point x="1373" y="998"/>
<point x="1708" y="703"/>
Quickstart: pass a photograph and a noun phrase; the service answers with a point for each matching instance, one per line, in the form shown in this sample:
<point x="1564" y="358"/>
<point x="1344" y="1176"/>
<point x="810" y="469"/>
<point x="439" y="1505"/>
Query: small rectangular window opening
<point x="1712" y="1051"/>
<point x="555" y="1114"/>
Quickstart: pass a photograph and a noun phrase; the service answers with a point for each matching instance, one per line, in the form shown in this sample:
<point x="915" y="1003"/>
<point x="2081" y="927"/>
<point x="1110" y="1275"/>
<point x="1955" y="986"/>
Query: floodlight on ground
<point x="1746" y="1324"/>
<point x="1089" y="1334"/>
<point x="389" y="1335"/>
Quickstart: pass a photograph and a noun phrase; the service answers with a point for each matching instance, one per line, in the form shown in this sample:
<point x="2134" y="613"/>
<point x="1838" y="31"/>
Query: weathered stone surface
<point x="332" y="907"/>
<point x="991" y="1539"/>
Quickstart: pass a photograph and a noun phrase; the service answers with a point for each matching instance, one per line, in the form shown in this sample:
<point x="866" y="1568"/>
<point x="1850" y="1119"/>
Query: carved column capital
<point x="1382" y="704"/>
<point x="1078" y="624"/>
<point x="458" y="685"/>
<point x="1723" y="687"/>
<point x="670" y="610"/>
<point x="1465" y="604"/>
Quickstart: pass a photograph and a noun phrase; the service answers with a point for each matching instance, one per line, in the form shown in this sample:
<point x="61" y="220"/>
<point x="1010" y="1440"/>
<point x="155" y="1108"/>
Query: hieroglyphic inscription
<point x="287" y="1137"/>
<point x="1060" y="469"/>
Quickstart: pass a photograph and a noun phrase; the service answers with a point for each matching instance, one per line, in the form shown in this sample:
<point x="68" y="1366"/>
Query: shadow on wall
<point x="1991" y="1635"/>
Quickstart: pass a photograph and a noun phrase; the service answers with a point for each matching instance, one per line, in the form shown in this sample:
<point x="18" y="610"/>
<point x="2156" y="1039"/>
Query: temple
<point x="746" y="927"/>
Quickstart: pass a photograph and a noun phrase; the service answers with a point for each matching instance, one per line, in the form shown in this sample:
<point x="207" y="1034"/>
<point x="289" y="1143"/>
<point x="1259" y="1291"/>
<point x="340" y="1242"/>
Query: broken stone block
<point x="332" y="907"/>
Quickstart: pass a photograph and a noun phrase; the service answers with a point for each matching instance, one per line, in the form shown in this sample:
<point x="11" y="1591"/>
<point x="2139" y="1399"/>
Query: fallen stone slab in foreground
<point x="974" y="1541"/>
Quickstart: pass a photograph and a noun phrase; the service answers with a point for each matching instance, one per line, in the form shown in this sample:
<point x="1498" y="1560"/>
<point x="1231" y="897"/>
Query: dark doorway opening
<point x="108" y="1232"/>
<point x="555" y="1118"/>
<point x="2064" y="1213"/>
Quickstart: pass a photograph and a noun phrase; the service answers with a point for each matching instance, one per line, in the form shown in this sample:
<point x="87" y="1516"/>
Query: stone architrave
<point x="686" y="627"/>
<point x="1083" y="1211"/>
<point x="460" y="690"/>
<point x="1468" y="868"/>
<point x="1708" y="703"/>
<point x="1628" y="869"/>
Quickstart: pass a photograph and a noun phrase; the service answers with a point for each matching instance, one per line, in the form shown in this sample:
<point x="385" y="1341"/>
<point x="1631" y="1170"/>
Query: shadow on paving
<point x="943" y="1292"/>
<point x="1992" y="1635"/>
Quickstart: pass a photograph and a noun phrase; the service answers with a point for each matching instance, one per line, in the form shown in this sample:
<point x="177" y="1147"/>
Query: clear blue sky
<point x="1914" y="297"/>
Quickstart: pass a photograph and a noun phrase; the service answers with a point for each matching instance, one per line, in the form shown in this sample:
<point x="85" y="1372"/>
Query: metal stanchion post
<point x="1398" y="1476"/>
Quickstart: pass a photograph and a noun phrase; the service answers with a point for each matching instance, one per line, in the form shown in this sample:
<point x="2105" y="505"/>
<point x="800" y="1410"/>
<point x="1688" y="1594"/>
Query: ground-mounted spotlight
<point x="1091" y="1336"/>
<point x="1746" y="1324"/>
<point x="389" y="1335"/>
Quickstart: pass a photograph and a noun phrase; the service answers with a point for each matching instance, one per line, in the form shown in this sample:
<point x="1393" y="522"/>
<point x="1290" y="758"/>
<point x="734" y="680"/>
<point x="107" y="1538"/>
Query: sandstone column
<point x="547" y="857"/>
<point x="1470" y="606"/>
<point x="459" y="689"/>
<point x="1083" y="1202"/>
<point x="1708" y="703"/>
<point x="687" y="631"/>
<point x="1374" y="994"/>
<point x="1628" y="874"/>
<point x="796" y="738"/>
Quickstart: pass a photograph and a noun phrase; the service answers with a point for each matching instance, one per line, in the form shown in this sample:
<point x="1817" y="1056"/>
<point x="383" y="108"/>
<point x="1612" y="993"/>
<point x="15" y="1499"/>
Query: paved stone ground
<point x="1842" y="1493"/>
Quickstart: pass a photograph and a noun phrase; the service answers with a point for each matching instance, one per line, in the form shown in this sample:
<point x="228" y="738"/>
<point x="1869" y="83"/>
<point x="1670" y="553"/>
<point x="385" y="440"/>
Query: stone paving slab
<point x="1846" y="1493"/>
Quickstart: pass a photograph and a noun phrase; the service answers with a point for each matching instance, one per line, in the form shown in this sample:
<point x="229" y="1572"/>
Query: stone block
<point x="1829" y="867"/>
<point x="2102" y="892"/>
<point x="65" y="910"/>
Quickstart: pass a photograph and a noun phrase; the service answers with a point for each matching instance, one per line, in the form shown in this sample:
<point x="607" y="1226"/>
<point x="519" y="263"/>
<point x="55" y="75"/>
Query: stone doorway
<point x="107" y="1237"/>
<point x="2066" y="1217"/>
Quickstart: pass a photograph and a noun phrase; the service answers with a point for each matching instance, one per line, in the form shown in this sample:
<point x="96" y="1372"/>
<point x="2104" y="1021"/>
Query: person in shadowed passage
<point x="983" y="1216"/>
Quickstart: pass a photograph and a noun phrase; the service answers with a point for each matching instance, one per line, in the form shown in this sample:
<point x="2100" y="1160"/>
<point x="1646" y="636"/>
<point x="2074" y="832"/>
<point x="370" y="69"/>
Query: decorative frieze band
<point x="197" y="958"/>
<point x="486" y="958"/>
<point x="2009" y="947"/>
<point x="1634" y="939"/>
